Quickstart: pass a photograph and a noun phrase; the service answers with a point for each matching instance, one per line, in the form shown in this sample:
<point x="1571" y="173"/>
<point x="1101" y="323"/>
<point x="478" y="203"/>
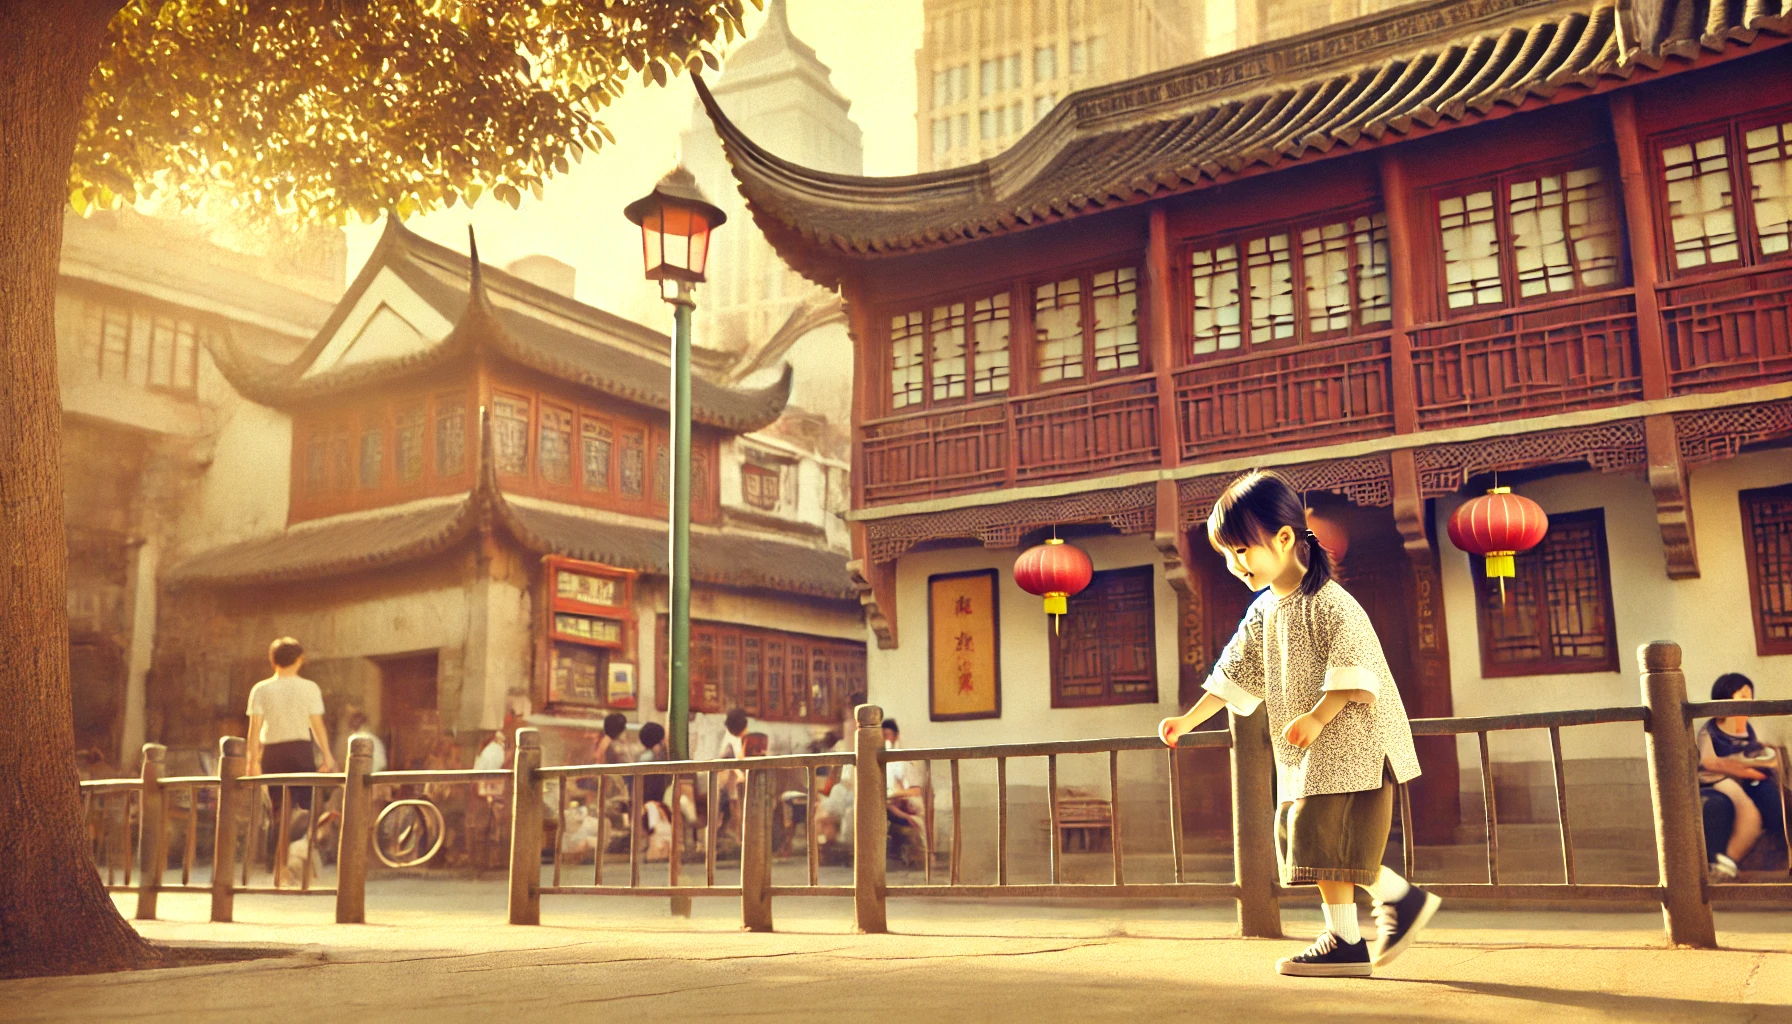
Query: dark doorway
<point x="408" y="716"/>
<point x="96" y="672"/>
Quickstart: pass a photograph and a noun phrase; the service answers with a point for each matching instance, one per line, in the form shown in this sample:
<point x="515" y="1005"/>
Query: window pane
<point x="1045" y="63"/>
<point x="451" y="435"/>
<point x="942" y="88"/>
<point x="407" y="448"/>
<point x="1042" y="106"/>
<point x="115" y="342"/>
<point x="373" y="447"/>
<point x="1770" y="185"/>
<point x="161" y="353"/>
<point x="990" y="72"/>
<point x="942" y="135"/>
<point x="1214" y="325"/>
<point x="317" y="462"/>
<point x="1272" y="289"/>
<point x="1700" y="218"/>
<point x="510" y="434"/>
<point x="1106" y="652"/>
<point x="1116" y="297"/>
<point x="1575" y="588"/>
<point x="186" y="356"/>
<point x="1078" y="61"/>
<point x="986" y="125"/>
<point x="596" y="438"/>
<point x="554" y="453"/>
<point x="342" y="460"/>
<point x="1374" y="292"/>
<point x="633" y="466"/>
<point x="1058" y="331"/>
<point x="989" y="335"/>
<point x="1471" y="249"/>
<point x="906" y="370"/>
<point x="1564" y="233"/>
<point x="947" y="368"/>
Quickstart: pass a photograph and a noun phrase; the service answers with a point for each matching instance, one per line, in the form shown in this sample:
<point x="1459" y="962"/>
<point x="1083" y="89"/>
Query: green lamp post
<point x="675" y="223"/>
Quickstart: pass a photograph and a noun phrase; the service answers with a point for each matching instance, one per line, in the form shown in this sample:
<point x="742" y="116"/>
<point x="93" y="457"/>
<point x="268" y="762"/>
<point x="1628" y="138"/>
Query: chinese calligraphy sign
<point x="965" y="673"/>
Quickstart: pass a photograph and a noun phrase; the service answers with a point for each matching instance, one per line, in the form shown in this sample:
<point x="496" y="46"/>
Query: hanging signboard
<point x="965" y="676"/>
<point x="588" y="609"/>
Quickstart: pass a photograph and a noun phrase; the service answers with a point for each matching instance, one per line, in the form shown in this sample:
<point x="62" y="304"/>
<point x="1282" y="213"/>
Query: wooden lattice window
<point x="553" y="450"/>
<point x="174" y="355"/>
<point x="1556" y="614"/>
<point x="1105" y="651"/>
<point x="759" y="486"/>
<point x="408" y="439"/>
<point x="596" y="438"/>
<point x="951" y="350"/>
<point x="510" y="434"/>
<point x="1702" y="171"/>
<point x="633" y="470"/>
<point x="1086" y="325"/>
<point x="451" y="435"/>
<point x="770" y="674"/>
<point x="1528" y="235"/>
<point x="373" y="450"/>
<point x="1767" y="534"/>
<point x="1287" y="284"/>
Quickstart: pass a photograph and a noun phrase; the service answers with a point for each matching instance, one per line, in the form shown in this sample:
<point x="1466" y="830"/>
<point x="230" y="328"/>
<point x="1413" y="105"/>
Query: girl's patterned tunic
<point x="1286" y="654"/>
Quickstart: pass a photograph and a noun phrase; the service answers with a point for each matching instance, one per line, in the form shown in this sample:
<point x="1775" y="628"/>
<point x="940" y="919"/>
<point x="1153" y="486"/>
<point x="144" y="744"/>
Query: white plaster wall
<point x="1709" y="617"/>
<point x="372" y="627"/>
<point x="898" y="679"/>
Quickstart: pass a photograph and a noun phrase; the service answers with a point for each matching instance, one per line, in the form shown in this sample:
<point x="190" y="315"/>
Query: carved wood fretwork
<point x="1127" y="509"/>
<point x="1366" y="480"/>
<point x="876" y="585"/>
<point x="1607" y="447"/>
<point x="1711" y="435"/>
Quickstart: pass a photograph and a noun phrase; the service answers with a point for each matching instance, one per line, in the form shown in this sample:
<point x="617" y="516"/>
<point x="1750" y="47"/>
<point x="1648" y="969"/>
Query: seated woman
<point x="1736" y="764"/>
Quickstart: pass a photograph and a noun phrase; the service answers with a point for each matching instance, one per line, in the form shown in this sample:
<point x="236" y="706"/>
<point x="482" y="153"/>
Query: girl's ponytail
<point x="1319" y="564"/>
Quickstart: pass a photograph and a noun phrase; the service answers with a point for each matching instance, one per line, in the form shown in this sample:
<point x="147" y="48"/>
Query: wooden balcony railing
<point x="1337" y="391"/>
<point x="1071" y="433"/>
<point x="937" y="453"/>
<point x="1573" y="354"/>
<point x="1729" y="331"/>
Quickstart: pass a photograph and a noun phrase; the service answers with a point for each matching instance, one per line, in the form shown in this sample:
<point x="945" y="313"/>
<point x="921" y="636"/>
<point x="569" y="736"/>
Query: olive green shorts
<point x="1335" y="837"/>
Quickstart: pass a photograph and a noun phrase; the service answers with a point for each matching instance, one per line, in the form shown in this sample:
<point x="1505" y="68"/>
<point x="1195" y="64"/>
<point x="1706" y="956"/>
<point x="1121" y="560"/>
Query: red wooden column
<point x="875" y="583"/>
<point x="1403" y="282"/>
<point x="1645" y="256"/>
<point x="1159" y="338"/>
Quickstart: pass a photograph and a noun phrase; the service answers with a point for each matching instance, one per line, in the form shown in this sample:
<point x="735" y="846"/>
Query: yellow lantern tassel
<point x="1500" y="565"/>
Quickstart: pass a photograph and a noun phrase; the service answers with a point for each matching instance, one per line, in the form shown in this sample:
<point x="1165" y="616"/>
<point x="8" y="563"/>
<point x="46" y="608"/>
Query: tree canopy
<point x="322" y="110"/>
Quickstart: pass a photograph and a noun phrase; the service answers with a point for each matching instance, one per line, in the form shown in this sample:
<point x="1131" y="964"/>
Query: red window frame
<point x="1533" y="568"/>
<point x="1092" y="620"/>
<point x="1734" y="131"/>
<point x="1085" y="277"/>
<point x="554" y="605"/>
<point x="925" y="309"/>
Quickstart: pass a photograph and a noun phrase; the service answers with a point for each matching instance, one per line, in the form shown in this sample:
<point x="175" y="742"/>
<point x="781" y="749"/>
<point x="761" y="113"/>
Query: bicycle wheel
<point x="408" y="833"/>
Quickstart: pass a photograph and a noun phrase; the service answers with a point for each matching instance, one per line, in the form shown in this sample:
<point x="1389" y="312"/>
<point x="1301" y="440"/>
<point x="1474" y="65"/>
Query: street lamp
<point x="675" y="223"/>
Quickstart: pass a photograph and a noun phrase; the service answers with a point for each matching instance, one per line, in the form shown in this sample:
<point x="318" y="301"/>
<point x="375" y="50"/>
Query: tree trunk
<point x="55" y="917"/>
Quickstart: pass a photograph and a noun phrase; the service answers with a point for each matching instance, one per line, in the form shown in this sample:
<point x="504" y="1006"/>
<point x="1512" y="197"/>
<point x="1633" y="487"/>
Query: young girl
<point x="1307" y="651"/>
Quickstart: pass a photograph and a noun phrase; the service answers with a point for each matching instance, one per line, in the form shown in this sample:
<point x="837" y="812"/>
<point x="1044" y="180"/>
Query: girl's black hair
<point x="1727" y="684"/>
<point x="1253" y="509"/>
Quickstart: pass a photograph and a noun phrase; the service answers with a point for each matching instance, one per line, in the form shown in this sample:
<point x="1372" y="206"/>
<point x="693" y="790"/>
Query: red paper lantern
<point x="1053" y="570"/>
<point x="1332" y="536"/>
<point x="1497" y="526"/>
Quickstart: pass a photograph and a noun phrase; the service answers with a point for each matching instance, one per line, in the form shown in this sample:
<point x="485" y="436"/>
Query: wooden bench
<point x="1087" y="816"/>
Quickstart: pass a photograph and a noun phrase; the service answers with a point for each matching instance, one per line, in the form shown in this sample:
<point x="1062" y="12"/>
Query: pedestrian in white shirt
<point x="286" y="718"/>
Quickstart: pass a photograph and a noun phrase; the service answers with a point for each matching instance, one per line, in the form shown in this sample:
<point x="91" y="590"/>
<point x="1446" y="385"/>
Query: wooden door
<point x="408" y="715"/>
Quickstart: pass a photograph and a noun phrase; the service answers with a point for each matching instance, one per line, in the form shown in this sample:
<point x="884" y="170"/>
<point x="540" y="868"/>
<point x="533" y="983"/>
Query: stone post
<point x="357" y="833"/>
<point x="232" y="753"/>
<point x="1253" y="827"/>
<point x="152" y="835"/>
<point x="756" y="853"/>
<point x="1674" y="792"/>
<point x="525" y="830"/>
<point x="870" y="825"/>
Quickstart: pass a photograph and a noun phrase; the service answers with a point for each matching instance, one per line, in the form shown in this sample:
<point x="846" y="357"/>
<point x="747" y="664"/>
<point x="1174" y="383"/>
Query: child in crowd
<point x="1305" y="650"/>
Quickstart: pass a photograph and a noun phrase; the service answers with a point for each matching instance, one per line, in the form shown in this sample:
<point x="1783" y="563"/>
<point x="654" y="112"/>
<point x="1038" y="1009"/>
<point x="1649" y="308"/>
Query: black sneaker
<point x="1401" y="921"/>
<point x="1329" y="957"/>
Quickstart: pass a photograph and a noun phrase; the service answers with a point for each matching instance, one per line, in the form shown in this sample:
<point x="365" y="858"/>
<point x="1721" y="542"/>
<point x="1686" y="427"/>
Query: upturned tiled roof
<point x="1360" y="82"/>
<point x="458" y="287"/>
<point x="336" y="547"/>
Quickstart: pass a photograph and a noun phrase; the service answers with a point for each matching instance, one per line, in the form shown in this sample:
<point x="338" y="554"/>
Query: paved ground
<point x="440" y="951"/>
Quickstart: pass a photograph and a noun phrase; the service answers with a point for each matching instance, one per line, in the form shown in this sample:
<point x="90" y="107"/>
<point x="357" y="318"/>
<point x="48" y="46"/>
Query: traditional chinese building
<point x="138" y="301"/>
<point x="1389" y="259"/>
<point x="455" y="495"/>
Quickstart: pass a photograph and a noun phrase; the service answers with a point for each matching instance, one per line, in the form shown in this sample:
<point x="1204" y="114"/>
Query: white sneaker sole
<point x="1295" y="970"/>
<point x="1386" y="956"/>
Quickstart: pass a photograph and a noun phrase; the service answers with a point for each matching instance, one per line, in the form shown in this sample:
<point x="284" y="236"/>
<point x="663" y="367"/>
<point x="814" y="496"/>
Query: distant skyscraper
<point x="988" y="70"/>
<point x="778" y="92"/>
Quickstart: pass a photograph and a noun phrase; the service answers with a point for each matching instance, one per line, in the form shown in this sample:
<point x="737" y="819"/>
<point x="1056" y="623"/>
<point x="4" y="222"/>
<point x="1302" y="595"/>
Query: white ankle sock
<point x="1389" y="887"/>
<point x="1341" y="919"/>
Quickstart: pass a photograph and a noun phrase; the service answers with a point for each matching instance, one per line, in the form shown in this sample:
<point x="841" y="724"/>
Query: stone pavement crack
<point x="653" y="995"/>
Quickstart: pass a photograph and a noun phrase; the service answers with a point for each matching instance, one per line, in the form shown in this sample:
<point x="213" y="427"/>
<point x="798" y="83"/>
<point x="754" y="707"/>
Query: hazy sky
<point x="870" y="46"/>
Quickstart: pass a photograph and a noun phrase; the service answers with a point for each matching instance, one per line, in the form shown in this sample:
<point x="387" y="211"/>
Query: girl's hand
<point x="1302" y="731"/>
<point x="1171" y="729"/>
